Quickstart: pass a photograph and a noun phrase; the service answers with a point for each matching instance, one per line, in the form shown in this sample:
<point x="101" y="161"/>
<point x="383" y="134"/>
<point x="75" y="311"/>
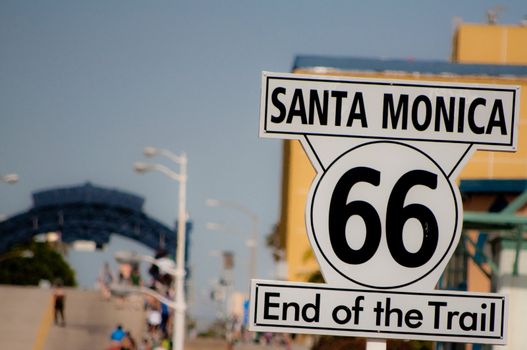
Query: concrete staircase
<point x="90" y="319"/>
<point x="21" y="313"/>
<point x="26" y="319"/>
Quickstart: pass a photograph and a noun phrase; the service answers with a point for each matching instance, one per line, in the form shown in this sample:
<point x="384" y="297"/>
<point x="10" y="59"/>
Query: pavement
<point x="22" y="310"/>
<point x="26" y="322"/>
<point x="206" y="344"/>
<point x="26" y="319"/>
<point x="220" y="344"/>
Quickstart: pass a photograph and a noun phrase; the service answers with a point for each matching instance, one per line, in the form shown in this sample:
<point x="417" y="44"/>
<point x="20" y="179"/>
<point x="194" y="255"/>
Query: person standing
<point x="59" y="298"/>
<point x="105" y="280"/>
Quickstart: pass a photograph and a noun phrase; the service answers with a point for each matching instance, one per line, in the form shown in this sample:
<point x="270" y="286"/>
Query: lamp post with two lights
<point x="179" y="273"/>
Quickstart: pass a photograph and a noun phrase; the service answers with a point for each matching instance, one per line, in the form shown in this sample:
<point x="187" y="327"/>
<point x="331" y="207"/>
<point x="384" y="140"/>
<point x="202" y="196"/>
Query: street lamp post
<point x="224" y="285"/>
<point x="254" y="230"/>
<point x="9" y="178"/>
<point x="250" y="243"/>
<point x="178" y="337"/>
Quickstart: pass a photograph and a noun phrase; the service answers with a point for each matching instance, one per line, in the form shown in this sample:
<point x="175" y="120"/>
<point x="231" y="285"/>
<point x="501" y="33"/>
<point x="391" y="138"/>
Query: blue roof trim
<point x="493" y="186"/>
<point x="409" y="66"/>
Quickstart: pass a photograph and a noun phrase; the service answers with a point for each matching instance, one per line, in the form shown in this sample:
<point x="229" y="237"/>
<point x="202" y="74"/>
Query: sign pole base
<point x="375" y="344"/>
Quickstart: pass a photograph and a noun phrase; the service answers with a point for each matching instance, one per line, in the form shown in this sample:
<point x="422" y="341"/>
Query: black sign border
<point x="407" y="283"/>
<point x="345" y="81"/>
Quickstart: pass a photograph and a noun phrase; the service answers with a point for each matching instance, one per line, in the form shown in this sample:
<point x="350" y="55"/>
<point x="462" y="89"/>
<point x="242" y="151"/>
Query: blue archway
<point x="90" y="213"/>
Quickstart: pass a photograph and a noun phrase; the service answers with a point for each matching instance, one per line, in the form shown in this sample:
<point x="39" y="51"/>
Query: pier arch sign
<point x="384" y="211"/>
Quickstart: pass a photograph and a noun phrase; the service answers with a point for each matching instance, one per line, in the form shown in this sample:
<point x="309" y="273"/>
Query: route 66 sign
<point x="384" y="211"/>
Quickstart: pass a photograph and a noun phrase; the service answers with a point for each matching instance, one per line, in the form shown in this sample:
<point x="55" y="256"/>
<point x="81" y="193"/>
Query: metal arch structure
<point x="91" y="213"/>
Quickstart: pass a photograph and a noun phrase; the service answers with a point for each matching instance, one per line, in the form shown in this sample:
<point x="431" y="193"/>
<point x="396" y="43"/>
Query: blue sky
<point x="85" y="85"/>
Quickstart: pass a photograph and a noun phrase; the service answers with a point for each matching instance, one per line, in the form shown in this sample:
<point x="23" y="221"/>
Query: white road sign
<point x="322" y="309"/>
<point x="297" y="105"/>
<point x="384" y="210"/>
<point x="384" y="213"/>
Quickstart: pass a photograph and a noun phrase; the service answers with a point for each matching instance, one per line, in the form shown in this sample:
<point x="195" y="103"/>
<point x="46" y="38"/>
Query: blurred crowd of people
<point x="159" y="317"/>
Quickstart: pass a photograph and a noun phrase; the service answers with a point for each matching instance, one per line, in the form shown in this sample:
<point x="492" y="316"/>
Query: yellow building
<point x="484" y="54"/>
<point x="490" y="44"/>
